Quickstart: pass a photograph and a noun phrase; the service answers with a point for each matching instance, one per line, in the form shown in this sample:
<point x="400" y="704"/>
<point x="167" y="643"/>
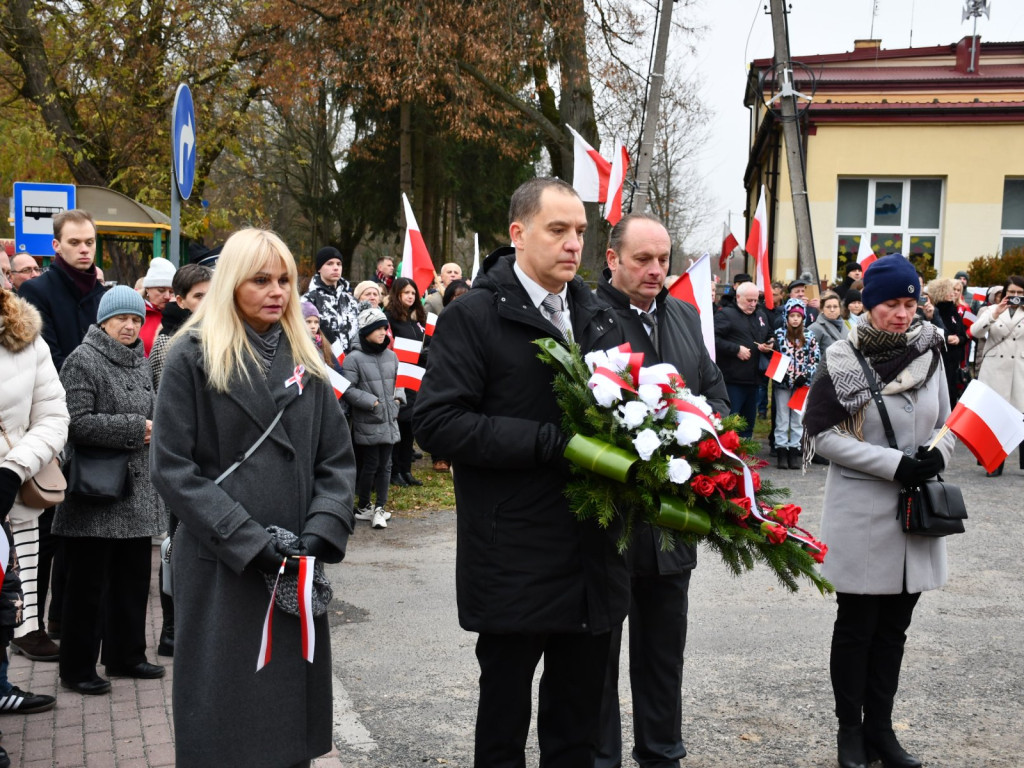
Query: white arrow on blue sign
<point x="184" y="140"/>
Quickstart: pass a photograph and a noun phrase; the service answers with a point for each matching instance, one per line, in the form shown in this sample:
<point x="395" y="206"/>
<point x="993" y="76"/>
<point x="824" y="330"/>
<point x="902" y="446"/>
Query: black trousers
<point x="569" y="704"/>
<point x="401" y="457"/>
<point x="105" y="599"/>
<point x="867" y="653"/>
<point x="51" y="559"/>
<point x="374" y="474"/>
<point x="657" y="642"/>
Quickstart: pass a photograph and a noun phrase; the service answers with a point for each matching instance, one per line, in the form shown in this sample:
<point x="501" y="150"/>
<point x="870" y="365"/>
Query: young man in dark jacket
<point x="530" y="578"/>
<point x="666" y="330"/>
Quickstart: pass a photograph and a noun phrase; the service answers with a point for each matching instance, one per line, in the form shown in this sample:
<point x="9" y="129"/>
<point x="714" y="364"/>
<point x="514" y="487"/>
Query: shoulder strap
<point x="251" y="450"/>
<point x="876" y="395"/>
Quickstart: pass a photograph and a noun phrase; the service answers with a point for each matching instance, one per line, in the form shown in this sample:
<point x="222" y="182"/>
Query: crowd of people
<point x="201" y="405"/>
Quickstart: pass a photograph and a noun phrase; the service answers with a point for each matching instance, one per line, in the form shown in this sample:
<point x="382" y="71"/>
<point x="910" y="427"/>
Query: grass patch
<point x="436" y="492"/>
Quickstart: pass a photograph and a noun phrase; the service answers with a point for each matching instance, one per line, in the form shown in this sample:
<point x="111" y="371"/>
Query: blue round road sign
<point x="183" y="135"/>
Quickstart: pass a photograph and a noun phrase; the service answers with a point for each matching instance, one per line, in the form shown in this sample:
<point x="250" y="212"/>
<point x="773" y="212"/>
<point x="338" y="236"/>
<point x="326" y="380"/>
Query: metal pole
<point x="174" y="245"/>
<point x="643" y="167"/>
<point x="806" y="262"/>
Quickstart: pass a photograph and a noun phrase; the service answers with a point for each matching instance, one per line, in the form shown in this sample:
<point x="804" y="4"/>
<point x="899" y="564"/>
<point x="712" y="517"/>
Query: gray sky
<point x="815" y="26"/>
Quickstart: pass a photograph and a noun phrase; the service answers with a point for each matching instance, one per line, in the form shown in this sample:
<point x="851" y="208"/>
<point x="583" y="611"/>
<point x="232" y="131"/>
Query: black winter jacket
<point x="67" y="314"/>
<point x="524" y="563"/>
<point x="735" y="329"/>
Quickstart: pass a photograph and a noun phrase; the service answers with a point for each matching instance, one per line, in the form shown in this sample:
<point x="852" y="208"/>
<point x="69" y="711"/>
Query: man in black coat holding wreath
<point x="666" y="330"/>
<point x="531" y="579"/>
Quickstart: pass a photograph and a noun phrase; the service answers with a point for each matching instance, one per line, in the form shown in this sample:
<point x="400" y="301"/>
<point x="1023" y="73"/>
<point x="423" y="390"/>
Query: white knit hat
<point x="160" y="274"/>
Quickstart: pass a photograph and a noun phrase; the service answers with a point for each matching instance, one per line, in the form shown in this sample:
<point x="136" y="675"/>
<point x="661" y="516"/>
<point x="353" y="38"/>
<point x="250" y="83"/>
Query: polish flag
<point x="416" y="263"/>
<point x="267" y="635"/>
<point x="757" y="247"/>
<point x="5" y="555"/>
<point x="306" y="624"/>
<point x="616" y="182"/>
<point x="729" y="244"/>
<point x="694" y="287"/>
<point x="476" y="257"/>
<point x="431" y="322"/>
<point x="408" y="350"/>
<point x="590" y="171"/>
<point x="865" y="255"/>
<point x="409" y="376"/>
<point x="338" y="348"/>
<point x="338" y="382"/>
<point x="778" y="366"/>
<point x="798" y="399"/>
<point x="977" y="294"/>
<point x="988" y="425"/>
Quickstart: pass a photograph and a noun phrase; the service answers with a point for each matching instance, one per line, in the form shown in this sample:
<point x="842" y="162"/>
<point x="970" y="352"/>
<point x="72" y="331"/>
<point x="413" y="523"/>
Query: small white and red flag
<point x="409" y="376"/>
<point x="408" y="350"/>
<point x="757" y="247"/>
<point x="695" y="287"/>
<point x="988" y="425"/>
<point x="306" y="623"/>
<point x="865" y="255"/>
<point x="338" y="348"/>
<point x="977" y="294"/>
<point x="416" y="263"/>
<point x="729" y="244"/>
<point x="338" y="382"/>
<point x="778" y="366"/>
<point x="616" y="183"/>
<point x="5" y="555"/>
<point x="590" y="171"/>
<point x="431" y="322"/>
<point x="267" y="638"/>
<point x="798" y="398"/>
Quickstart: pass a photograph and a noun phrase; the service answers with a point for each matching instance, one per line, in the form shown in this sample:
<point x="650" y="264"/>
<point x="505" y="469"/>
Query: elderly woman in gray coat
<point x="107" y="544"/>
<point x="244" y="360"/>
<point x="878" y="570"/>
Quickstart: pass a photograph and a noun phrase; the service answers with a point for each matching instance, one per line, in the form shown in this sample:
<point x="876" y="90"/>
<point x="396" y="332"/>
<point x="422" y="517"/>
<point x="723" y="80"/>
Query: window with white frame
<point x="889" y="216"/>
<point x="1012" y="235"/>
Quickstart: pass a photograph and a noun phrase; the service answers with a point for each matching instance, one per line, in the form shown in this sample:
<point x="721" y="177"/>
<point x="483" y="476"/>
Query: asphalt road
<point x="756" y="691"/>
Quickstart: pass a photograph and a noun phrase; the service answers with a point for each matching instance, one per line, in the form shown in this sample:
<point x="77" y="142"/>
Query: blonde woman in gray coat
<point x="878" y="571"/>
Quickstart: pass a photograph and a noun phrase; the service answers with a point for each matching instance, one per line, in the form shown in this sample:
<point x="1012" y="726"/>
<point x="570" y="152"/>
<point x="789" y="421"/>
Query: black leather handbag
<point x="97" y="473"/>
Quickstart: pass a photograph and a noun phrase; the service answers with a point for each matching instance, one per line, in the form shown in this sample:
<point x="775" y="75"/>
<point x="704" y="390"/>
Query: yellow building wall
<point x="973" y="160"/>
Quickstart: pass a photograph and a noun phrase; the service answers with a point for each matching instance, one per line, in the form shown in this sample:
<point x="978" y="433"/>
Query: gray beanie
<point x="120" y="300"/>
<point x="370" y="320"/>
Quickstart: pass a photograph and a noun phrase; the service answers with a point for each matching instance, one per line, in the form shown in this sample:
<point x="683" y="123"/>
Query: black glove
<point x="914" y="471"/>
<point x="931" y="461"/>
<point x="10" y="483"/>
<point x="321" y="549"/>
<point x="551" y="443"/>
<point x="799" y="381"/>
<point x="267" y="559"/>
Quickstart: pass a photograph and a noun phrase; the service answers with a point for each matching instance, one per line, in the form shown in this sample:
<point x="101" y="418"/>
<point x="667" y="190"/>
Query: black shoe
<point x="410" y="480"/>
<point x="36" y="645"/>
<point x="93" y="687"/>
<point x="772" y="451"/>
<point x="416" y="455"/>
<point x="796" y="458"/>
<point x="19" y="702"/>
<point x="398" y="480"/>
<point x="5" y="761"/>
<point x="143" y="671"/>
<point x="851" y="747"/>
<point x="997" y="471"/>
<point x="783" y="454"/>
<point x="882" y="745"/>
<point x="166" y="645"/>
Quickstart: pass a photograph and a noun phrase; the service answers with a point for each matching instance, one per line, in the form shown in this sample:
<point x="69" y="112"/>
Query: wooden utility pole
<point x="806" y="262"/>
<point x="643" y="166"/>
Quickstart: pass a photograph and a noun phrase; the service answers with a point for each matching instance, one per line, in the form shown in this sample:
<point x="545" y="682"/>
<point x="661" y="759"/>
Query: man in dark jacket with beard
<point x="530" y="578"/>
<point x="666" y="330"/>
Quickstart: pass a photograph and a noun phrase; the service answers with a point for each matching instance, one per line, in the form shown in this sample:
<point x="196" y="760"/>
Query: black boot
<point x="410" y="480"/>
<point x="851" y="747"/>
<point x="796" y="458"/>
<point x="166" y="645"/>
<point x="997" y="471"/>
<point x="881" y="744"/>
<point x="397" y="479"/>
<point x="783" y="457"/>
<point x="1021" y="454"/>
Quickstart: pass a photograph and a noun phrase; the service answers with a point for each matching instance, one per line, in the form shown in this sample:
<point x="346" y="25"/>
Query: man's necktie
<point x="552" y="305"/>
<point x="652" y="327"/>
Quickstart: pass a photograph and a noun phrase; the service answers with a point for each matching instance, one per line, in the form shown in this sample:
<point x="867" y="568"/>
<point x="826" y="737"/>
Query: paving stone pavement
<point x="131" y="727"/>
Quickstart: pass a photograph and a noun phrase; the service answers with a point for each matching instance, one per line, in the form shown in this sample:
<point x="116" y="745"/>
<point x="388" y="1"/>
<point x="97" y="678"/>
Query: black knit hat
<point x="851" y="296"/>
<point x="325" y="254"/>
<point x="891" y="277"/>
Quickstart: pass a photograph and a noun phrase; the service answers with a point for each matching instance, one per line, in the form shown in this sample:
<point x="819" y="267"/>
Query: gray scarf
<point x="264" y="344"/>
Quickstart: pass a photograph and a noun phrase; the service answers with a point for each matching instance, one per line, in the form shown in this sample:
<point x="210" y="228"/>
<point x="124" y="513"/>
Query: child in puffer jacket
<point x="372" y="370"/>
<point x="796" y="341"/>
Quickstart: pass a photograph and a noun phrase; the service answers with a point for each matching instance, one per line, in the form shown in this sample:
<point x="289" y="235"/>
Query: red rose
<point x="730" y="440"/>
<point x="744" y="505"/>
<point x="819" y="556"/>
<point x="703" y="485"/>
<point x="756" y="479"/>
<point x="708" y="450"/>
<point x="787" y="514"/>
<point x="776" y="534"/>
<point x="727" y="481"/>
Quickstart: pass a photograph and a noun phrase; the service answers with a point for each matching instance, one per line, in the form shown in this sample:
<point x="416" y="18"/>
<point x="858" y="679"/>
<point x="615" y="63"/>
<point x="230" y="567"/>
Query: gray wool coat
<point x="110" y="396"/>
<point x="868" y="552"/>
<point x="301" y="478"/>
<point x="373" y="381"/>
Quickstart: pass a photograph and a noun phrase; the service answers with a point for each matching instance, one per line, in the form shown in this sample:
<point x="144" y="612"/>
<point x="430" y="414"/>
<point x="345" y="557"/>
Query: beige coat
<point x="1003" y="365"/>
<point x="868" y="552"/>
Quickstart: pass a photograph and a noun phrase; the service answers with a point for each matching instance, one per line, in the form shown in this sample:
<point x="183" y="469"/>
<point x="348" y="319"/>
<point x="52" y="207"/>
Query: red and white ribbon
<point x="306" y="607"/>
<point x="296" y="378"/>
<point x="266" y="641"/>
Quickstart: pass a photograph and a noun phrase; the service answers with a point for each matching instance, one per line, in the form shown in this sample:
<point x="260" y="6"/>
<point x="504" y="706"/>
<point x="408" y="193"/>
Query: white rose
<point x="688" y="433"/>
<point x="679" y="470"/>
<point x="650" y="394"/>
<point x="633" y="413"/>
<point x="646" y="443"/>
<point x="595" y="360"/>
<point x="606" y="391"/>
